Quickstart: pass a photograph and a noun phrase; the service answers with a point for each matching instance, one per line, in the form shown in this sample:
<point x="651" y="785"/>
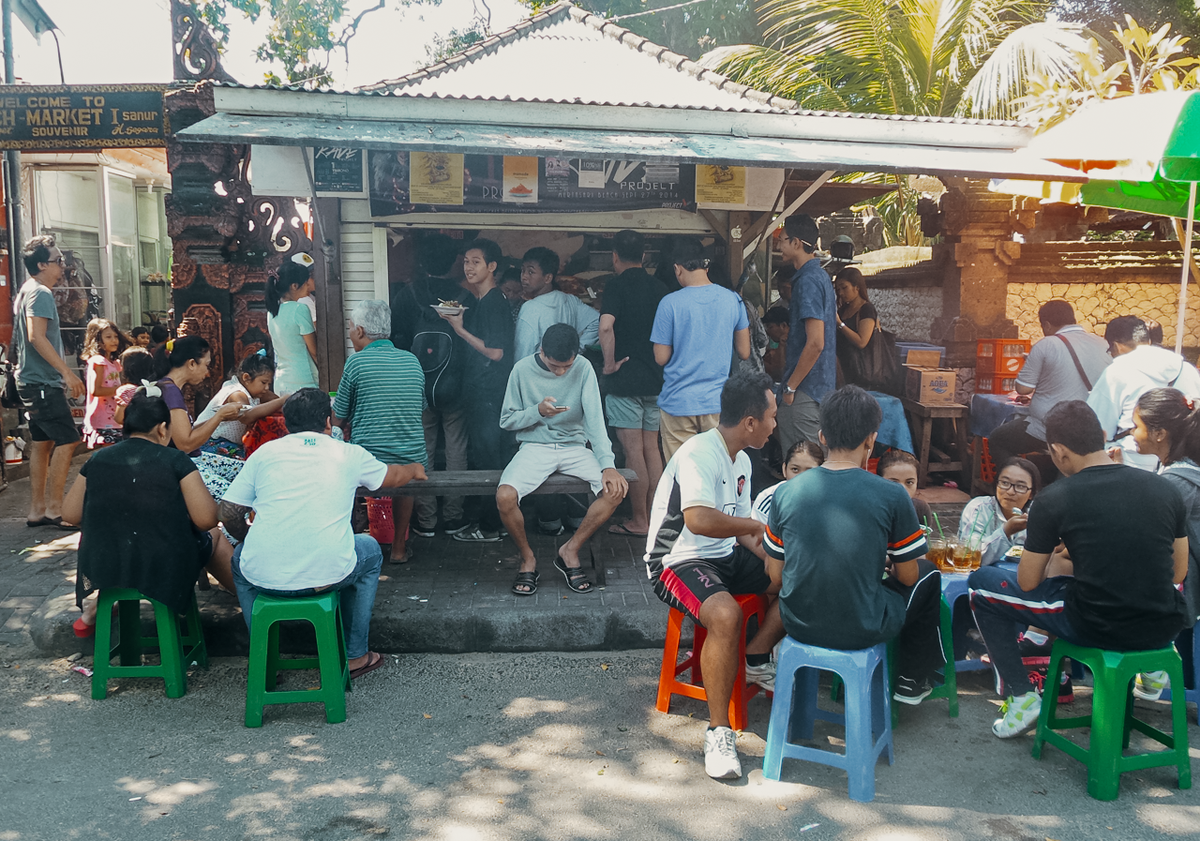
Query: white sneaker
<point x="720" y="754"/>
<point x="1149" y="686"/>
<point x="1020" y="714"/>
<point x="763" y="675"/>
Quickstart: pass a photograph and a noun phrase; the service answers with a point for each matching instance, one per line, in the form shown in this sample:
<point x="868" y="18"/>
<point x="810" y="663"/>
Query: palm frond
<point x="1038" y="50"/>
<point x="789" y="76"/>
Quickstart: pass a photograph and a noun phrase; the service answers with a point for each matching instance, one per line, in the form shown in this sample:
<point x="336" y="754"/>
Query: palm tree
<point x="918" y="57"/>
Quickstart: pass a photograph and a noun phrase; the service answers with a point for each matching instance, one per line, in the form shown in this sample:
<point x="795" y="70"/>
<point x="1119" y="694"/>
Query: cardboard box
<point x="924" y="358"/>
<point x="929" y="385"/>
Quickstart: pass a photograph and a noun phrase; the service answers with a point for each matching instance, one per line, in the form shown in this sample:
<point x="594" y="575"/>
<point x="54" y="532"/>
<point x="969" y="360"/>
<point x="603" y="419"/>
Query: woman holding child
<point x="147" y="520"/>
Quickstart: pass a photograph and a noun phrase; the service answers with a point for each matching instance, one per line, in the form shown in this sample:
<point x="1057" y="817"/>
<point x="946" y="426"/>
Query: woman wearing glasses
<point x="996" y="523"/>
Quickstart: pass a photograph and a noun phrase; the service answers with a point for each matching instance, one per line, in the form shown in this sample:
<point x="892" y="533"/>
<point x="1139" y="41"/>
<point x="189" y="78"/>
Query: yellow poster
<point x="435" y="178"/>
<point x="720" y="184"/>
<point x="520" y="180"/>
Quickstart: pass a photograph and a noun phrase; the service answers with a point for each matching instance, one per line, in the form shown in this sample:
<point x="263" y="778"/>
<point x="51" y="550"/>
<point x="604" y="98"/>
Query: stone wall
<point x="909" y="313"/>
<point x="1097" y="303"/>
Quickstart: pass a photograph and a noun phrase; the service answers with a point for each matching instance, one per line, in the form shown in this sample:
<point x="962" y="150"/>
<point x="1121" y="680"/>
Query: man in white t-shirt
<point x="301" y="489"/>
<point x="1137" y="367"/>
<point x="704" y="548"/>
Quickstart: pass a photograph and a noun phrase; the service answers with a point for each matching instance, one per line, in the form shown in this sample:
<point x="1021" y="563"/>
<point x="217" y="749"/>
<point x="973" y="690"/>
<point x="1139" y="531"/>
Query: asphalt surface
<point x="515" y="746"/>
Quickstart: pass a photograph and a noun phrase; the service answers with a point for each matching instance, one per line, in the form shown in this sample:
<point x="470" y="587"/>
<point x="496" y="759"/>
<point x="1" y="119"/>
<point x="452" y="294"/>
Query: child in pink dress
<point x="102" y="344"/>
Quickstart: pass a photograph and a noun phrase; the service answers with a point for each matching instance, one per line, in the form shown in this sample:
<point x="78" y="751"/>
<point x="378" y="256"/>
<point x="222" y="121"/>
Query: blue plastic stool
<point x="867" y="719"/>
<point x="954" y="587"/>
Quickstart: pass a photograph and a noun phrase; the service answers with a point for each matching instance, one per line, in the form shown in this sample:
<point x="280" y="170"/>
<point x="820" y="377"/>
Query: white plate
<point x="448" y="310"/>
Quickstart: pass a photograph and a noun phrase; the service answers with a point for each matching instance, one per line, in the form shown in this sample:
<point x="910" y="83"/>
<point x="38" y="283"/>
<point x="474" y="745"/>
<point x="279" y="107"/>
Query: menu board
<point x="403" y="182"/>
<point x="338" y="170"/>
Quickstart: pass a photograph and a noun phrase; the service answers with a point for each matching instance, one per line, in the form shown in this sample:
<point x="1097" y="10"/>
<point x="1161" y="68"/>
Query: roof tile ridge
<point x="485" y="47"/>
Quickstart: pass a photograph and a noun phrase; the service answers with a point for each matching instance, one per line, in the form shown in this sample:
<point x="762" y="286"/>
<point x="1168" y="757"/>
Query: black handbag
<point x="9" y="398"/>
<point x="877" y="366"/>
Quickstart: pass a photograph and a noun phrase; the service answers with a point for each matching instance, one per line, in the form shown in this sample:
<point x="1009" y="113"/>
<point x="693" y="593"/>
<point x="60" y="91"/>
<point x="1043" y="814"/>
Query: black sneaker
<point x="551" y="528"/>
<point x="422" y="531"/>
<point x="453" y="527"/>
<point x="1031" y="648"/>
<point x="911" y="692"/>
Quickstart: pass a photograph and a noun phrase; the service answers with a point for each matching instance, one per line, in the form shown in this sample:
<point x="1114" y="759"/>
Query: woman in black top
<point x="146" y="518"/>
<point x="856" y="323"/>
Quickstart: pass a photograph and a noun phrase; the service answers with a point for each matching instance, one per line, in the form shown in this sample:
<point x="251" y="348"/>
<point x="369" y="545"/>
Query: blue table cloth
<point x="988" y="411"/>
<point x="893" y="429"/>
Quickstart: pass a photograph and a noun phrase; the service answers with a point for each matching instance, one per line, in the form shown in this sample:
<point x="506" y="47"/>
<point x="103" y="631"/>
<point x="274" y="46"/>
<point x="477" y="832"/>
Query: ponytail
<point x="176" y="353"/>
<point x="290" y="275"/>
<point x="1179" y="416"/>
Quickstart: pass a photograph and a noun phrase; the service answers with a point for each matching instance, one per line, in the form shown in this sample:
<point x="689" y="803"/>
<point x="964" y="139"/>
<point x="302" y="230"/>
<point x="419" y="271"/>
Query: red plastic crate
<point x="987" y="467"/>
<point x="1001" y="356"/>
<point x="987" y="382"/>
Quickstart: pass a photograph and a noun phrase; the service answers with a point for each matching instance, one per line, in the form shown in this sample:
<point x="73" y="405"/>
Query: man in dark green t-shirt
<point x="854" y="574"/>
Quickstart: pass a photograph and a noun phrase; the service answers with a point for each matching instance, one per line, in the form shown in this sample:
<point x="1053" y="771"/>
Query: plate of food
<point x="448" y="307"/>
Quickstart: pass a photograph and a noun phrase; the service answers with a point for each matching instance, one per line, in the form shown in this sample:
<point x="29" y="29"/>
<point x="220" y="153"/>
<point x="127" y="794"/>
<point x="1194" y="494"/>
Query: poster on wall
<point x="720" y="184"/>
<point x="520" y="180"/>
<point x="436" y="178"/>
<point x="399" y="184"/>
<point x="338" y="171"/>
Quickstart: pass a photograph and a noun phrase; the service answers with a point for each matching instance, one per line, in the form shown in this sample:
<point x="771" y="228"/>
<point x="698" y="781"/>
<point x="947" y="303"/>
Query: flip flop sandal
<point x="528" y="580"/>
<point x="45" y="521"/>
<point x="577" y="579"/>
<point x="368" y="667"/>
<point x="620" y="529"/>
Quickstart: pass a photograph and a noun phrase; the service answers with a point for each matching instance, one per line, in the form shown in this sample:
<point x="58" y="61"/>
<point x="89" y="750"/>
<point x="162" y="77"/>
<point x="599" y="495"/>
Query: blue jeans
<point x="1002" y="610"/>
<point x="357" y="592"/>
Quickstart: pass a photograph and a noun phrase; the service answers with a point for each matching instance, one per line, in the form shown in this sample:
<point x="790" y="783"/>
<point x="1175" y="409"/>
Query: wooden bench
<point x="484" y="483"/>
<point x="920" y="418"/>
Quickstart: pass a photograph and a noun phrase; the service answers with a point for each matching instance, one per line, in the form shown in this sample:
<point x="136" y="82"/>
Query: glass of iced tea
<point x="976" y="557"/>
<point x="962" y="558"/>
<point x="936" y="551"/>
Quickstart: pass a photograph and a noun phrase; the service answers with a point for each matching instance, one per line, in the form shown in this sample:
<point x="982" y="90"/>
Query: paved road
<point x="508" y="747"/>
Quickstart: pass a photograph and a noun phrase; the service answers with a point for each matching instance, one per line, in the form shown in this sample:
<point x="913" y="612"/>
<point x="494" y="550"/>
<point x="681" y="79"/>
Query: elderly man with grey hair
<point x="379" y="403"/>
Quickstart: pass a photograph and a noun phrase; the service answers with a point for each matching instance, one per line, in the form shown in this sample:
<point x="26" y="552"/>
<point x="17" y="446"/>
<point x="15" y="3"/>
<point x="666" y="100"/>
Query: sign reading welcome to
<point x="81" y="116"/>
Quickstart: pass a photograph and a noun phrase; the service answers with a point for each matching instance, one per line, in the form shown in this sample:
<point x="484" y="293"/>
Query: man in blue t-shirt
<point x="693" y="331"/>
<point x="854" y="573"/>
<point x="810" y="371"/>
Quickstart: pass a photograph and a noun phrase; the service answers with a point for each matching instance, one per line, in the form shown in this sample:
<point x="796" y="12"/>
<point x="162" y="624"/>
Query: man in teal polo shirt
<point x="379" y="403"/>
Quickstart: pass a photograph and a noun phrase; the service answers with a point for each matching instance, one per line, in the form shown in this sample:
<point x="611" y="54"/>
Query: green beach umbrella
<point x="1140" y="153"/>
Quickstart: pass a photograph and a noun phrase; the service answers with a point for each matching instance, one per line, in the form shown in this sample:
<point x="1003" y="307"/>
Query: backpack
<point x="439" y="350"/>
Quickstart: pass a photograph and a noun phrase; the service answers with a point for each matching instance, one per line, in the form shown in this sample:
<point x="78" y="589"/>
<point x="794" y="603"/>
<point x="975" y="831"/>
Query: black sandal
<point x="577" y="579"/>
<point x="529" y="580"/>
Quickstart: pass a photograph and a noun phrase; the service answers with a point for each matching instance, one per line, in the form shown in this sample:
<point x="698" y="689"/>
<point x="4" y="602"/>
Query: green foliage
<point x="303" y="34"/>
<point x="1099" y="15"/>
<point x="1142" y="62"/>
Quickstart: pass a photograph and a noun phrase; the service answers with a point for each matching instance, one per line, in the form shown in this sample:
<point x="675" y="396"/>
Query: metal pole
<point x="12" y="162"/>
<point x="1187" y="259"/>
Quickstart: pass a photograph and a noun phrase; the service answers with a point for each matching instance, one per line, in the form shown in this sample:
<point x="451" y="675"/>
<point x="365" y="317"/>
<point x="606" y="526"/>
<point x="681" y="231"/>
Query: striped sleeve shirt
<point x="381" y="394"/>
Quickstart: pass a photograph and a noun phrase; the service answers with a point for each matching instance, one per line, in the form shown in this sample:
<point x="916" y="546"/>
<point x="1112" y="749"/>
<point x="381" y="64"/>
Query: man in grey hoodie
<point x="553" y="405"/>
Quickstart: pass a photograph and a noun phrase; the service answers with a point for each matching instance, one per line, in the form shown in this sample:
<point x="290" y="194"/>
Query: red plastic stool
<point x="668" y="684"/>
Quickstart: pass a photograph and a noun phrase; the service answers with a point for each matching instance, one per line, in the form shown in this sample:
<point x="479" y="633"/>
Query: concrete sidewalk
<point x="451" y="598"/>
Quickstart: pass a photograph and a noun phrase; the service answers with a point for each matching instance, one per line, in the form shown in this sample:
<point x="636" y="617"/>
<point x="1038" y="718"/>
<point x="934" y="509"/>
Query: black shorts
<point x="686" y="585"/>
<point x="49" y="414"/>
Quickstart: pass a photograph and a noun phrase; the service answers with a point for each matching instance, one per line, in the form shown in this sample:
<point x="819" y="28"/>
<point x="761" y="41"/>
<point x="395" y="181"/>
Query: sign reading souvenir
<point x="720" y="184"/>
<point x="520" y="181"/>
<point x="338" y="170"/>
<point x="60" y="117"/>
<point x="497" y="184"/>
<point x="436" y="178"/>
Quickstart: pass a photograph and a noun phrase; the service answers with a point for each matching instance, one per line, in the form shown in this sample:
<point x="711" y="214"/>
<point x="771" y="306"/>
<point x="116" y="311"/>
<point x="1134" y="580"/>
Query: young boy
<point x="901" y="467"/>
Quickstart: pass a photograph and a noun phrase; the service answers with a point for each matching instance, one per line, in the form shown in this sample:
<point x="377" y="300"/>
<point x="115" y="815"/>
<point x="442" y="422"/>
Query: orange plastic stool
<point x="668" y="683"/>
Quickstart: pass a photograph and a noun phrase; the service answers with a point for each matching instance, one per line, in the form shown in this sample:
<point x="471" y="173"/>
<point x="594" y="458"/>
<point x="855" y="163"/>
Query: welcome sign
<point x="63" y="117"/>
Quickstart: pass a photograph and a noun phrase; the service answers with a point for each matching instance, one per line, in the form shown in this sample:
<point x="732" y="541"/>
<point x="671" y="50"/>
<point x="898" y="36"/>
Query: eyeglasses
<point x="1018" y="487"/>
<point x="59" y="260"/>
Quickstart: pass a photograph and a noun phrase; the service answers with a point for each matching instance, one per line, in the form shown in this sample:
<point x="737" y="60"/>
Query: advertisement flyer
<point x="435" y="178"/>
<point x="520" y="180"/>
<point x="720" y="184"/>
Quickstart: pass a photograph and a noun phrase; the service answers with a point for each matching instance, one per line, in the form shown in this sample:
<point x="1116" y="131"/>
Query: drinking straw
<point x="939" y="524"/>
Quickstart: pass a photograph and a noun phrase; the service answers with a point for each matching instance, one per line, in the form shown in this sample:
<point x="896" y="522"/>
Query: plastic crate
<point x="987" y="382"/>
<point x="1001" y="356"/>
<point x="987" y="467"/>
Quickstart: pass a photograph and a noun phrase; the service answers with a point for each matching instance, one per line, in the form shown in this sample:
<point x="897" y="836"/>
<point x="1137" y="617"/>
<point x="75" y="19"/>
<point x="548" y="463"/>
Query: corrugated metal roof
<point x="568" y="55"/>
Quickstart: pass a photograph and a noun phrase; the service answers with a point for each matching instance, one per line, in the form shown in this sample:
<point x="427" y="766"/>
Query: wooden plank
<point x="482" y="483"/>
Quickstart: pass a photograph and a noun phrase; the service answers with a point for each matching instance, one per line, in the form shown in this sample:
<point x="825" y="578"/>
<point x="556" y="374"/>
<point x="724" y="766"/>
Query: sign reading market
<point x="56" y="117"/>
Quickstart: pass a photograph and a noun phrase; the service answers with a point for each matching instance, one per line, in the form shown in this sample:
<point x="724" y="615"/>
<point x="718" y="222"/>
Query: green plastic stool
<point x="1111" y="719"/>
<point x="176" y="650"/>
<point x="324" y="612"/>
<point x="947" y="689"/>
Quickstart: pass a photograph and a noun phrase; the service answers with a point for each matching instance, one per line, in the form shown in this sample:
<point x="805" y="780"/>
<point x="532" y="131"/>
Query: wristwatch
<point x="787" y="389"/>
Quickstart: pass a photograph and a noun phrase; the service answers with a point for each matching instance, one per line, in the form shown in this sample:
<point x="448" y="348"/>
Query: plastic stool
<point x="1111" y="719"/>
<point x="668" y="685"/>
<point x="175" y="650"/>
<point x="1191" y="695"/>
<point x="867" y="718"/>
<point x="323" y="611"/>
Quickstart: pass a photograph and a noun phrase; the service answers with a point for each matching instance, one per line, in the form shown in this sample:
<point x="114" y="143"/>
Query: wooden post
<point x="331" y="319"/>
